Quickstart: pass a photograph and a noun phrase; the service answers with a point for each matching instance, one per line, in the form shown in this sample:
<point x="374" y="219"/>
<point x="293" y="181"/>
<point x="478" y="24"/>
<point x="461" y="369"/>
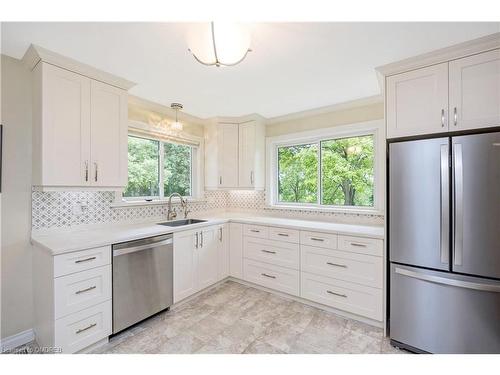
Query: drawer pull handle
<point x="336" y="294"/>
<point x="358" y="244"/>
<point x="86" y="328"/>
<point x="270" y="276"/>
<point x="283" y="234"/>
<point x="336" y="265"/>
<point x="254" y="230"/>
<point x="269" y="251"/>
<point x="317" y="239"/>
<point x="85" y="260"/>
<point x="85" y="290"/>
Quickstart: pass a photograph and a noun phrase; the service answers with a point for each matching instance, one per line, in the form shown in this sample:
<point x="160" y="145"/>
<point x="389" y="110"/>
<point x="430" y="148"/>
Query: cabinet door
<point x="223" y="251"/>
<point x="64" y="129"/>
<point x="208" y="257"/>
<point x="246" y="155"/>
<point x="236" y="250"/>
<point x="108" y="135"/>
<point x="417" y="102"/>
<point x="185" y="265"/>
<point x="228" y="155"/>
<point x="475" y="91"/>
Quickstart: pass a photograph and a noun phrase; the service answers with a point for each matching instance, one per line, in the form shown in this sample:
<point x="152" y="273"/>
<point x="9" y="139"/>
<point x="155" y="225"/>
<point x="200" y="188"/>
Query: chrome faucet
<point x="172" y="213"/>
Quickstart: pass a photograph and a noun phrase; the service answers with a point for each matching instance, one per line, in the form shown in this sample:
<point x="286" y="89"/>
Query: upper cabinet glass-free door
<point x="475" y="91"/>
<point x="228" y="155"/>
<point x="417" y="102"/>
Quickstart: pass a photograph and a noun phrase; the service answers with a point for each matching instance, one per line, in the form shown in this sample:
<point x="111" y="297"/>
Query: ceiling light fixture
<point x="177" y="126"/>
<point x="219" y="43"/>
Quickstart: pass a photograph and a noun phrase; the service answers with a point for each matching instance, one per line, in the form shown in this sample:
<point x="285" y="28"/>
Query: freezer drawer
<point x="439" y="312"/>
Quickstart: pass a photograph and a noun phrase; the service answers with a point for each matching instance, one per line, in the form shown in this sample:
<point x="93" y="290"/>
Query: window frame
<point x="196" y="151"/>
<point x="374" y="128"/>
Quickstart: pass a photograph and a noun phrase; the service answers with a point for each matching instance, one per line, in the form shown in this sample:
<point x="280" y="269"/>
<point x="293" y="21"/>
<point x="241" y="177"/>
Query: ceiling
<point x="293" y="66"/>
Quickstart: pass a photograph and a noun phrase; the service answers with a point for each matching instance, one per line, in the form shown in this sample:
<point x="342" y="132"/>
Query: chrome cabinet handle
<point x="85" y="290"/>
<point x="336" y="294"/>
<point x="201" y="239"/>
<point x="86" y="328"/>
<point x="196" y="243"/>
<point x="442" y="118"/>
<point x="96" y="167"/>
<point x="455" y="116"/>
<point x="317" y="239"/>
<point x="86" y="170"/>
<point x="220" y="234"/>
<point x="270" y="276"/>
<point x="458" y="224"/>
<point x="336" y="264"/>
<point x="445" y="223"/>
<point x="358" y="244"/>
<point x="283" y="234"/>
<point x="251" y="177"/>
<point x="254" y="230"/>
<point x="220" y="180"/>
<point x="85" y="260"/>
<point x="269" y="251"/>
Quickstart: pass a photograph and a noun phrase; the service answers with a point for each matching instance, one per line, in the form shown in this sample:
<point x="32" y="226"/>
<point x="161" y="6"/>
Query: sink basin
<point x="179" y="223"/>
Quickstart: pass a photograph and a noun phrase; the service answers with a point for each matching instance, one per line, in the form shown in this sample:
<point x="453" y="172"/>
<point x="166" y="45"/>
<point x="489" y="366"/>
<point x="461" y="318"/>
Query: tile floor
<point x="233" y="318"/>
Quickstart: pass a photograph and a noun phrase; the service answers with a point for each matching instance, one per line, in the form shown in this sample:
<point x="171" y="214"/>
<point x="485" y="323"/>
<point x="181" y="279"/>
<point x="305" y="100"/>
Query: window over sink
<point x="158" y="168"/>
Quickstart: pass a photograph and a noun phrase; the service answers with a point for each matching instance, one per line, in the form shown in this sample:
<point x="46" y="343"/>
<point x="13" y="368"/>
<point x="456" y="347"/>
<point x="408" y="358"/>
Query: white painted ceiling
<point x="293" y="66"/>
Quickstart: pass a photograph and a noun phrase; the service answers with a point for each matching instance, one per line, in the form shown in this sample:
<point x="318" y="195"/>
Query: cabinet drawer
<point x="81" y="260"/>
<point x="270" y="276"/>
<point x="283" y="254"/>
<point x="354" y="298"/>
<point x="283" y="234"/>
<point x="326" y="240"/>
<point x="81" y="290"/>
<point x="369" y="246"/>
<point x="84" y="328"/>
<point x="356" y="268"/>
<point x="256" y="231"/>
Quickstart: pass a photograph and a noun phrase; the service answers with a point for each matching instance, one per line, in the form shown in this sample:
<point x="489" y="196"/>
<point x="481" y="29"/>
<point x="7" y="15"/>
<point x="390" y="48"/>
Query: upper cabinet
<point x="235" y="155"/>
<point x="475" y="91"/>
<point x="453" y="89"/>
<point x="417" y="102"/>
<point x="80" y="124"/>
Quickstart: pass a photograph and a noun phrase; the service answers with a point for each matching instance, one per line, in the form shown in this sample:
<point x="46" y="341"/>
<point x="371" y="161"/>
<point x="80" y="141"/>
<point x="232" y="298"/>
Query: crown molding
<point x="376" y="99"/>
<point x="456" y="51"/>
<point x="35" y="54"/>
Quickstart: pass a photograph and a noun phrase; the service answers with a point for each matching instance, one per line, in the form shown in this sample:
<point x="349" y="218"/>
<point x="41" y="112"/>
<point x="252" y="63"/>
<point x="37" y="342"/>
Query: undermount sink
<point x="179" y="223"/>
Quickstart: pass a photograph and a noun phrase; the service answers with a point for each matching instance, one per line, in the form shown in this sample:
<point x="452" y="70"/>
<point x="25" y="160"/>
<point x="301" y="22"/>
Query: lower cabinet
<point x="275" y="277"/>
<point x="201" y="258"/>
<point x="236" y="250"/>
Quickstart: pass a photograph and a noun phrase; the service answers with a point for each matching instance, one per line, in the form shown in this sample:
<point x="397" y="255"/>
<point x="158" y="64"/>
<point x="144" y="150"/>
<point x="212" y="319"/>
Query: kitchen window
<point x="158" y="168"/>
<point x="332" y="169"/>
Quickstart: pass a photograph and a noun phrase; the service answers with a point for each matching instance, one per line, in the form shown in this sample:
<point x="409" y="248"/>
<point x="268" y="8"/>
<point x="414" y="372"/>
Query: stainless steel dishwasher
<point x="142" y="279"/>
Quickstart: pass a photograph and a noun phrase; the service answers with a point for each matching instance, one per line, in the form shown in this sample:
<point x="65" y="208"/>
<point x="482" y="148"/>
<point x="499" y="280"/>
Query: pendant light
<point x="177" y="126"/>
<point x="219" y="43"/>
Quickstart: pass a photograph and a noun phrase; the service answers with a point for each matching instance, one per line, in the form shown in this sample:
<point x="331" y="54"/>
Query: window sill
<point x="352" y="211"/>
<point x="157" y="202"/>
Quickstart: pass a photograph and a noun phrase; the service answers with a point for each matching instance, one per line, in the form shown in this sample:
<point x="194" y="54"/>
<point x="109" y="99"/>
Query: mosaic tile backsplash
<point x="57" y="209"/>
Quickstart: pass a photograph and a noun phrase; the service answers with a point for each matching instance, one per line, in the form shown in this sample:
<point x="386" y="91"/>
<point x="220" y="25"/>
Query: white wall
<point x="16" y="281"/>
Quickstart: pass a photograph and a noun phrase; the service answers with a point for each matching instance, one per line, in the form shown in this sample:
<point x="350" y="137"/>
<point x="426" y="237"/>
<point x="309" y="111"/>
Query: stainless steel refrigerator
<point x="444" y="244"/>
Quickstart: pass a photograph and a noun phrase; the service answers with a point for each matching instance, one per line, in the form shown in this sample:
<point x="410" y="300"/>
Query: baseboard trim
<point x="21" y="338"/>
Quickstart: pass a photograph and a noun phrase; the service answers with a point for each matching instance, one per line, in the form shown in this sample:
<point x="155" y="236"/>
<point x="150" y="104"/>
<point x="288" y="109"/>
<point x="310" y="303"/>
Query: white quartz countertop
<point x="60" y="241"/>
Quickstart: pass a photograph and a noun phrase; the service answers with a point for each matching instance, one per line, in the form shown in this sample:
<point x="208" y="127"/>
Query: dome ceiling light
<point x="219" y="43"/>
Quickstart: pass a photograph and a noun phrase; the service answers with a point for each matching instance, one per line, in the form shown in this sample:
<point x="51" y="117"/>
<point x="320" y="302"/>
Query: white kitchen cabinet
<point x="228" y="155"/>
<point x="236" y="250"/>
<point x="475" y="91"/>
<point x="417" y="102"/>
<point x="196" y="260"/>
<point x="109" y="131"/>
<point x="223" y="251"/>
<point x="235" y="155"/>
<point x="80" y="130"/>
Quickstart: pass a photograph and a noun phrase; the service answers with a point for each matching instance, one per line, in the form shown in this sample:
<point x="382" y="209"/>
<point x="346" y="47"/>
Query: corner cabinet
<point x="235" y="155"/>
<point x="80" y="130"/>
<point x="456" y="95"/>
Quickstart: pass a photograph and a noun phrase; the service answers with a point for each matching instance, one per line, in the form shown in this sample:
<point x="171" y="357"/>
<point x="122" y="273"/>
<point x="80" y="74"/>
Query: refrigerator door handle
<point x="458" y="203"/>
<point x="445" y="205"/>
<point x="447" y="281"/>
